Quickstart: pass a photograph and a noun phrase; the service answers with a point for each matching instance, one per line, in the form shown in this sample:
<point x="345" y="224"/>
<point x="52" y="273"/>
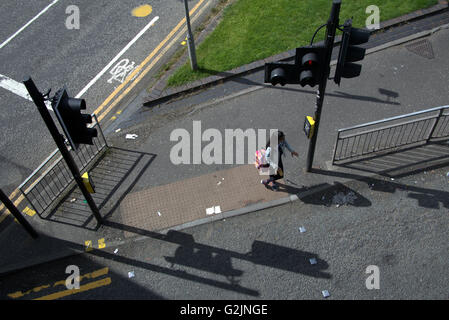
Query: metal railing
<point x="52" y="178"/>
<point x="391" y="134"/>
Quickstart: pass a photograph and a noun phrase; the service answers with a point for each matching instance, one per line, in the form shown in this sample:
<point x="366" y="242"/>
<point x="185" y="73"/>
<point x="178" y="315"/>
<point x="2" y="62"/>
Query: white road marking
<point x="18" y="89"/>
<point x="26" y="25"/>
<point x="121" y="70"/>
<point x="14" y="86"/>
<point x="98" y="76"/>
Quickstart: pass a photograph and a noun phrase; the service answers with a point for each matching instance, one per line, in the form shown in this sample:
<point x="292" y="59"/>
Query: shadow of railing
<point x="427" y="198"/>
<point x="402" y="162"/>
<point x="112" y="178"/>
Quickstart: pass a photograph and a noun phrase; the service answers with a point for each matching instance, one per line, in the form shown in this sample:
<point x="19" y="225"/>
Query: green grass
<point x="251" y="30"/>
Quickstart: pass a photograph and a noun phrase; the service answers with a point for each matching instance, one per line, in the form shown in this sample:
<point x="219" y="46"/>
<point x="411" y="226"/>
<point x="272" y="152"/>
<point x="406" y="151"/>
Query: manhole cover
<point x="422" y="48"/>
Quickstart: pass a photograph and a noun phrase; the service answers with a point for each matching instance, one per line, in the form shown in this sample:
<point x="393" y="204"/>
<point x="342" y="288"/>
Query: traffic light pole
<point x="332" y="25"/>
<point x="38" y="100"/>
<point x="16" y="213"/>
<point x="190" y="40"/>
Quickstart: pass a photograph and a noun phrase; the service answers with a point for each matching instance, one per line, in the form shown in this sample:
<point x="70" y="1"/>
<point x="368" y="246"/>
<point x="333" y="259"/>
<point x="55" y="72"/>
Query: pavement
<point x="154" y="195"/>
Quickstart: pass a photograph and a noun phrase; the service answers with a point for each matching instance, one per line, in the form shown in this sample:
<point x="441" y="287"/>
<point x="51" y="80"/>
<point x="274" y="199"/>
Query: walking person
<point x="274" y="159"/>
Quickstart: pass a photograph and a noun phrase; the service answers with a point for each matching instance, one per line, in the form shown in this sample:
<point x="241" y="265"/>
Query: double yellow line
<point x="129" y="80"/>
<point x="145" y="62"/>
<point x="57" y="295"/>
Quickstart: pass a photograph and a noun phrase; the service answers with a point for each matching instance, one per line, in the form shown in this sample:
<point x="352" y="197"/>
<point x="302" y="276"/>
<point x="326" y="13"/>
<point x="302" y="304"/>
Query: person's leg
<point x="278" y="176"/>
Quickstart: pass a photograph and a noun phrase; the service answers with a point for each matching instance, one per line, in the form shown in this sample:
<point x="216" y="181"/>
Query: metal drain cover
<point x="422" y="48"/>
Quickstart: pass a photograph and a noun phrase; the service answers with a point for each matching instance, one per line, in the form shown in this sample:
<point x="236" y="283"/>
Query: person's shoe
<point x="264" y="182"/>
<point x="275" y="187"/>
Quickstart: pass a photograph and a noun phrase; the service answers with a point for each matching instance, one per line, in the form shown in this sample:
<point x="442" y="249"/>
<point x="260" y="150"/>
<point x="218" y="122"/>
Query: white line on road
<point x="18" y="89"/>
<point x="117" y="57"/>
<point x="14" y="86"/>
<point x="26" y="25"/>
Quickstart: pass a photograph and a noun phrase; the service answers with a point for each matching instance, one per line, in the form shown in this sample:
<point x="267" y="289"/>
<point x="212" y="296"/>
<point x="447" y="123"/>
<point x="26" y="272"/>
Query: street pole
<point x="190" y="40"/>
<point x="16" y="213"/>
<point x="38" y="100"/>
<point x="332" y="25"/>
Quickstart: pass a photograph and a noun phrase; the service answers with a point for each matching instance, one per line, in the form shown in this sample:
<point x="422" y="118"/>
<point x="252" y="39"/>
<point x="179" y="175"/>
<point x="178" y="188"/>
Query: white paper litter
<point x="218" y="183"/>
<point x="131" y="136"/>
<point x="73" y="200"/>
<point x="325" y="293"/>
<point x="131" y="274"/>
<point x="312" y="261"/>
<point x="213" y="210"/>
<point x="158" y="213"/>
<point x="115" y="251"/>
<point x="118" y="130"/>
<point x="302" y="229"/>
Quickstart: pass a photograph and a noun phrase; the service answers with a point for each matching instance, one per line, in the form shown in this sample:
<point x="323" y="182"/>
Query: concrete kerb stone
<point x="155" y="99"/>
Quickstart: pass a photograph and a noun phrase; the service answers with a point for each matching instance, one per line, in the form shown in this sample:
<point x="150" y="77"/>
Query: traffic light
<point x="307" y="70"/>
<point x="311" y="60"/>
<point x="281" y="73"/>
<point x="349" y="52"/>
<point x="73" y="122"/>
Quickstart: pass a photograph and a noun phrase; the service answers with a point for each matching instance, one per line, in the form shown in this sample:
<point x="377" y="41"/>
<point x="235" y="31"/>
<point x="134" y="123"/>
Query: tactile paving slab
<point x="184" y="201"/>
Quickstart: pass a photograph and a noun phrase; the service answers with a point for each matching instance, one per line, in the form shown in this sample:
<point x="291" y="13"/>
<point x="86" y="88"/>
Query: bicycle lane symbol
<point x="121" y="70"/>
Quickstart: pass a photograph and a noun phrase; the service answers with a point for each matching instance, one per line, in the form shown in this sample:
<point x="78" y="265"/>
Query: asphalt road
<point x="92" y="61"/>
<point x="398" y="226"/>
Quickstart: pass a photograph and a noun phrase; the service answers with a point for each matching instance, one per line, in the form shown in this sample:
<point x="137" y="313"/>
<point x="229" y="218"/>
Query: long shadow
<point x="427" y="198"/>
<point x="403" y="162"/>
<point x="46" y="241"/>
<point x="327" y="194"/>
<point x="218" y="260"/>
<point x="239" y="79"/>
<point x="108" y="175"/>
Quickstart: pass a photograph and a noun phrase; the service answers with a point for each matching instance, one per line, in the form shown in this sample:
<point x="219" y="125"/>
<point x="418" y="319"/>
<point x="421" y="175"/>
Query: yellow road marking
<point x="29" y="211"/>
<point x="139" y="78"/>
<point x="68" y="292"/>
<point x="142" y="11"/>
<point x="101" y="244"/>
<point x="140" y="67"/>
<point x="19" y="294"/>
<point x="16" y="203"/>
<point x="92" y="275"/>
<point x="88" y="244"/>
<point x="119" y="88"/>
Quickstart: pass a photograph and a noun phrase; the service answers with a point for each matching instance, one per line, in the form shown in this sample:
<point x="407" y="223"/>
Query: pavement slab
<point x="188" y="200"/>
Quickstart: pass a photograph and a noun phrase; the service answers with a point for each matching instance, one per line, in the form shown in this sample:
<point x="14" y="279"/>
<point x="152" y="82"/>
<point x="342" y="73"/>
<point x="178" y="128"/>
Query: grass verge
<point x="251" y="30"/>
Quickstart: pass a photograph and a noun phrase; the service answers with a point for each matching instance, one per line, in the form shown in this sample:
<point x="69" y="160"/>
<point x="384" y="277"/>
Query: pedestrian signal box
<point x="309" y="126"/>
<point x="88" y="183"/>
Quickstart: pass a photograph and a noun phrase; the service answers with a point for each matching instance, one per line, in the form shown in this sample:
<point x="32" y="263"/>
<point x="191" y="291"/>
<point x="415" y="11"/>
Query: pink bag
<point x="260" y="158"/>
<point x="261" y="161"/>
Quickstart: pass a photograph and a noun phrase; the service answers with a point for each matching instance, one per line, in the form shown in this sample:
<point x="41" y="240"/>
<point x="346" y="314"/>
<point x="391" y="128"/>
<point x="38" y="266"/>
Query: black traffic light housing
<point x="311" y="61"/>
<point x="349" y="52"/>
<point x="281" y="73"/>
<point x="73" y="122"/>
<point x="307" y="70"/>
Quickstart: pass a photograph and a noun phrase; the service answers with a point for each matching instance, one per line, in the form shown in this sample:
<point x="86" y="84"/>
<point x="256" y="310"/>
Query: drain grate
<point x="422" y="48"/>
